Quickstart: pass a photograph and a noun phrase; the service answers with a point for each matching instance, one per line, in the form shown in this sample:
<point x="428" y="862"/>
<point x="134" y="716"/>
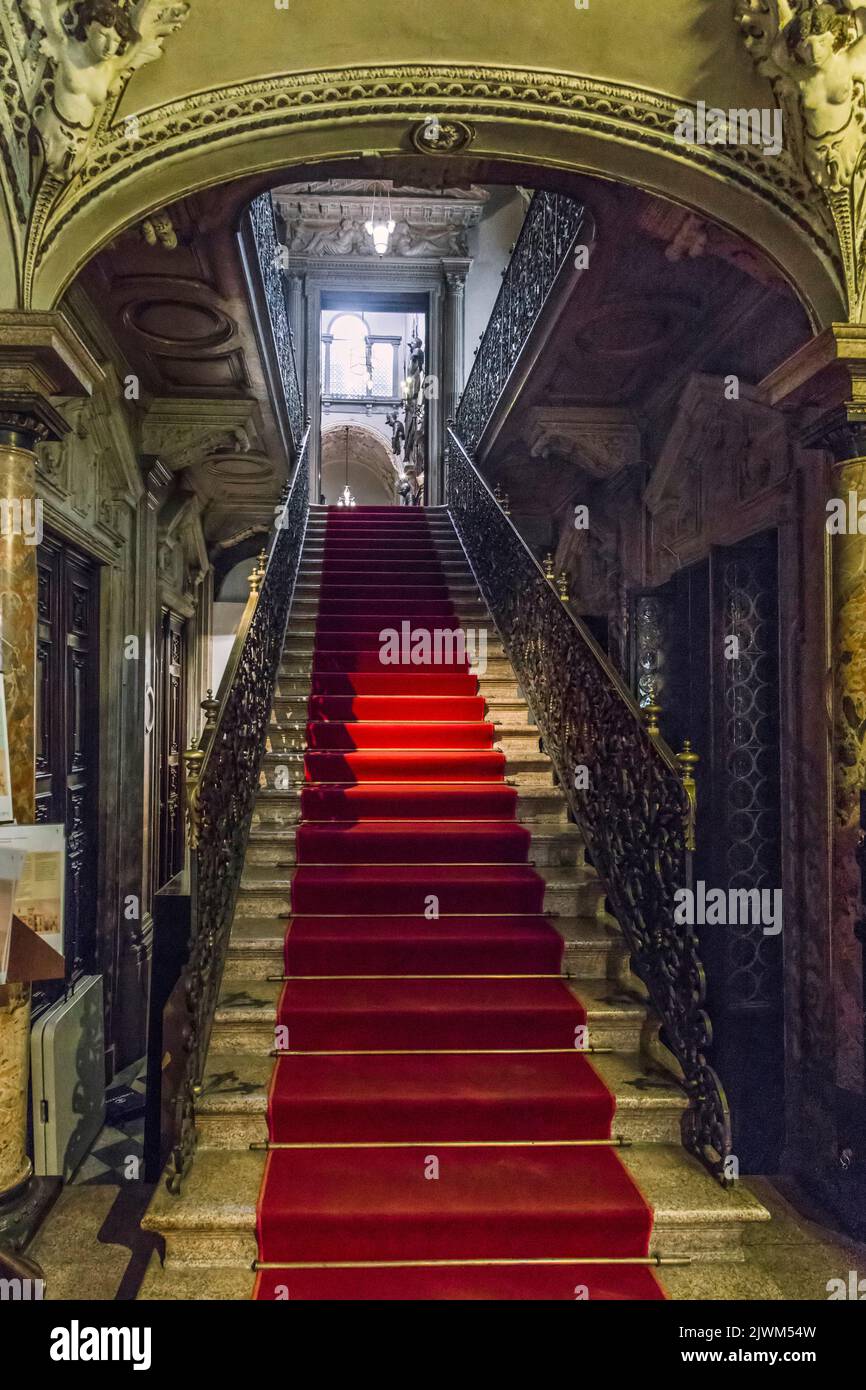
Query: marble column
<point x="18" y="652"/>
<point x="848" y="568"/>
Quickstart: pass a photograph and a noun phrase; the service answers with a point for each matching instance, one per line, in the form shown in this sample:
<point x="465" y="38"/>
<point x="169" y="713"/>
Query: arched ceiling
<point x="238" y="94"/>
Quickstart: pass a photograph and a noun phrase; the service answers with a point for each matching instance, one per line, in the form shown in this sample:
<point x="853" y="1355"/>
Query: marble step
<point x="592" y="949"/>
<point x="265" y="891"/>
<point x="518" y="762"/>
<point x="213" y="1225"/>
<point x="553" y="844"/>
<point x="507" y="711"/>
<point x="468" y="611"/>
<point x="296" y="660"/>
<point x="425" y="569"/>
<point x="535" y="801"/>
<point x="231" y="1112"/>
<point x="246" y="1014"/>
<point x="294" y="680"/>
<point x="511" y="739"/>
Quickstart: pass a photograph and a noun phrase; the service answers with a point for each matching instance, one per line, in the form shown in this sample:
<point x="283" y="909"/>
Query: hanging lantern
<point x="381" y="224"/>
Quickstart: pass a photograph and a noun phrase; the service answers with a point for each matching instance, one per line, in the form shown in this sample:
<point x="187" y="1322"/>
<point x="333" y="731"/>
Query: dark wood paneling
<point x="67" y="734"/>
<point x="171" y="697"/>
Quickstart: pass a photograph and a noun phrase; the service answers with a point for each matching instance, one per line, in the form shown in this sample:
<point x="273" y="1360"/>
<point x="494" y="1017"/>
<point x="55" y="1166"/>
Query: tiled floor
<point x="118" y="1152"/>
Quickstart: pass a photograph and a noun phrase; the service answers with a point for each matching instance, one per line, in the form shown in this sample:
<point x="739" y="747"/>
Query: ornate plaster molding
<point x="814" y="54"/>
<point x="93" y="47"/>
<point x="600" y="442"/>
<point x="399" y="93"/>
<point x="330" y="222"/>
<point x="185" y="433"/>
<point x="41" y="358"/>
<point x="707" y="433"/>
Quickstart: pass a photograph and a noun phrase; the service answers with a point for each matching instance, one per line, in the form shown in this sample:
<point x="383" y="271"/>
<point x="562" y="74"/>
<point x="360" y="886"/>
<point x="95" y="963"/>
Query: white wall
<point x="490" y="245"/>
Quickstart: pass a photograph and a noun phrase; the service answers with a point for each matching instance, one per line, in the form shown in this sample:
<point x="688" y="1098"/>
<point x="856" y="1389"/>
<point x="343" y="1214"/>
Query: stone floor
<point x="91" y="1248"/>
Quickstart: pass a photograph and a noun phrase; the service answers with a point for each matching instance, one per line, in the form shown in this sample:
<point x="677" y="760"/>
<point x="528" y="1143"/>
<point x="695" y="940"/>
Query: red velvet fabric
<point x="426" y="1016"/>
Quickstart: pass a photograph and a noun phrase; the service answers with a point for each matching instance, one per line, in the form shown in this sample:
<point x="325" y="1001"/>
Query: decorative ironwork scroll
<point x="634" y="813"/>
<point x="547" y="242"/>
<point x="271" y="257"/>
<point x="223" y="777"/>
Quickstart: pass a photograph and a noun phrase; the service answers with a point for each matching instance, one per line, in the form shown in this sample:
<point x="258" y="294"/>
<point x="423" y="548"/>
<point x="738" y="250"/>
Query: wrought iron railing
<point x="552" y="229"/>
<point x="635" y="812"/>
<point x="271" y="258"/>
<point x="222" y="781"/>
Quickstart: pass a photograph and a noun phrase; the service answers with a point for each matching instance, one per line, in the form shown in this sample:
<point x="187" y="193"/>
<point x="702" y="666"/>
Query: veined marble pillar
<point x="848" y="568"/>
<point x="40" y="358"/>
<point x="18" y="653"/>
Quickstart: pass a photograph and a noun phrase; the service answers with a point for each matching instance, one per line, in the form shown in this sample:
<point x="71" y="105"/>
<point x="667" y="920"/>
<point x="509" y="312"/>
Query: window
<point x="356" y="364"/>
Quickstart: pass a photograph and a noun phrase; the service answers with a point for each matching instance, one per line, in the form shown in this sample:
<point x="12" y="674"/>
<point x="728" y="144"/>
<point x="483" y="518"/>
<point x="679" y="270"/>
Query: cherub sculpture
<point x="816" y="52"/>
<point x="93" y="46"/>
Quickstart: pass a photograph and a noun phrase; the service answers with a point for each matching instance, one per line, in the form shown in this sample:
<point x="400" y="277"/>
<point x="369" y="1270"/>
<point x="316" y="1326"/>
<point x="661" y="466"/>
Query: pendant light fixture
<point x="345" y="498"/>
<point x="381" y="224"/>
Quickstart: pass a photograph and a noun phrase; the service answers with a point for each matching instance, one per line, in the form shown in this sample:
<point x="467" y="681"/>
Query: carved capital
<point x="826" y="383"/>
<point x="41" y="358"/>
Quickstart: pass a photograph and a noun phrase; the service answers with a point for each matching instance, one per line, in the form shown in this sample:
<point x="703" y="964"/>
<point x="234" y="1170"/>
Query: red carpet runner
<point x="418" y="1045"/>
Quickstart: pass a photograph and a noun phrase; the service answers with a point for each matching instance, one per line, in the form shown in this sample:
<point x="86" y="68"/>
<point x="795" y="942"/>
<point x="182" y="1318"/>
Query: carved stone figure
<point x="814" y="53"/>
<point x="93" y="47"/>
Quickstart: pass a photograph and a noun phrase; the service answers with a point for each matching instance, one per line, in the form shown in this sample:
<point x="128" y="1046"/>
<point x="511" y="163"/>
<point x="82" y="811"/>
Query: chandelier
<point x="380" y="227"/>
<point x="345" y="498"/>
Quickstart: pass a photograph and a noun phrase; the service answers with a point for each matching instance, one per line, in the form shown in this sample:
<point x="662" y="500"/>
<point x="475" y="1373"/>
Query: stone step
<point x="302" y="645"/>
<point x="297" y="660"/>
<point x="534" y="802"/>
<point x="507" y="738"/>
<point x="470" y="611"/>
<point x="518" y="761"/>
<point x="506" y="711"/>
<point x="265" y="890"/>
<point x="553" y="844"/>
<point x="592" y="949"/>
<point x="232" y="1109"/>
<point x="246" y="1015"/>
<point x="214" y="1224"/>
<point x="292" y="681"/>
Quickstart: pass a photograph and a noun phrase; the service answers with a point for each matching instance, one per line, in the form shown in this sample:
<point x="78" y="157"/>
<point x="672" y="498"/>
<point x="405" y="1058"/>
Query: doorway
<point x="707" y="643"/>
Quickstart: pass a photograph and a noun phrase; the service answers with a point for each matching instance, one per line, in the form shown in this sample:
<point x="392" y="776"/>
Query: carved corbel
<point x="599" y="442"/>
<point x="183" y="433"/>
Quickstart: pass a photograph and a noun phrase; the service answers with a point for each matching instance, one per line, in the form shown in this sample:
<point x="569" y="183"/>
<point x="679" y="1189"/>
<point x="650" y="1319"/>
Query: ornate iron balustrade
<point x="271" y="257"/>
<point x="546" y="244"/>
<point x="636" y="813"/>
<point x="222" y="781"/>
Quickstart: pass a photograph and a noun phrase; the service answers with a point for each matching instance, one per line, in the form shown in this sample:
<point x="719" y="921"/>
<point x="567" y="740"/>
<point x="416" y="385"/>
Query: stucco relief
<point x="814" y="53"/>
<point x="93" y="47"/>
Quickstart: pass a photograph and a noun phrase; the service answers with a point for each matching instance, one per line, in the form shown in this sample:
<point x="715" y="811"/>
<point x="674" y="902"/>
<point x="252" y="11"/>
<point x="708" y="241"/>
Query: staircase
<point x="461" y="1102"/>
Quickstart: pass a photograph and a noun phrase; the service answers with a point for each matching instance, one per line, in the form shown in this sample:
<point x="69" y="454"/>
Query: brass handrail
<point x="630" y="800"/>
<point x="222" y="782"/>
